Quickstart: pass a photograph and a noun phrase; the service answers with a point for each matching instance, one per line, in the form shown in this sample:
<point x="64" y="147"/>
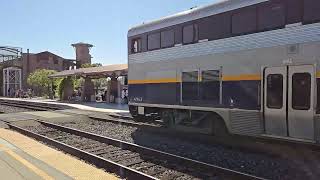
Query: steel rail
<point x="211" y="139"/>
<point x="110" y="166"/>
<point x="156" y="153"/>
<point x="121" y="121"/>
<point x="27" y="105"/>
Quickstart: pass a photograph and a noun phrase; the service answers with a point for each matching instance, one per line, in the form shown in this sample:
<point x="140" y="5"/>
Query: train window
<point x="301" y="91"/>
<point x="190" y="86"/>
<point x="190" y="33"/>
<point x="318" y="97"/>
<point x="311" y="11"/>
<point x="178" y="35"/>
<point x="144" y="44"/>
<point x="210" y="85"/>
<point x="136" y="45"/>
<point x="244" y="21"/>
<point x="275" y="91"/>
<point x="154" y="41"/>
<point x="294" y="11"/>
<point x="271" y="15"/>
<point x="167" y="38"/>
<point x="215" y="27"/>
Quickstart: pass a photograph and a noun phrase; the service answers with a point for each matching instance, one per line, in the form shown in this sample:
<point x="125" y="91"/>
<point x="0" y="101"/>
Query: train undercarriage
<point x="183" y="119"/>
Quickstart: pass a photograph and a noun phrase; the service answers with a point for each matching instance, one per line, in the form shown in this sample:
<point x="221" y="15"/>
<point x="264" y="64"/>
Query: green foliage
<point x="40" y="81"/>
<point x="75" y="83"/>
<point x="61" y="86"/>
<point x="87" y="65"/>
<point x="98" y="83"/>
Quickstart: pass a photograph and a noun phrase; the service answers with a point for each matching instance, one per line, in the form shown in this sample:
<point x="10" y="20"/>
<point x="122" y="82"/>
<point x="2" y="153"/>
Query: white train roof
<point x="192" y="14"/>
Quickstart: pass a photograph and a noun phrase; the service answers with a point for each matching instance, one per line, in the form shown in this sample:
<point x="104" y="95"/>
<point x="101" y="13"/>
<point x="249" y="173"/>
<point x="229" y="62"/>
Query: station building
<point x="117" y="77"/>
<point x="16" y="65"/>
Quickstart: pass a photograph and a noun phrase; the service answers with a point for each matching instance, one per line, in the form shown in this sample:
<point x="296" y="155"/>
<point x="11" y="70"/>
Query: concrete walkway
<point x="91" y="106"/>
<point x="24" y="158"/>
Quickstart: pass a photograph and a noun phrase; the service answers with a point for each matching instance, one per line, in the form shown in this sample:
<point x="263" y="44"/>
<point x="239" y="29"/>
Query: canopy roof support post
<point x="51" y="91"/>
<point x="88" y="90"/>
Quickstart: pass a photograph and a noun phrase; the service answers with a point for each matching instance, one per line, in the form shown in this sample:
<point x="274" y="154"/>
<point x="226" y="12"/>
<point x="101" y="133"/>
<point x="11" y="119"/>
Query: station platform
<point x="24" y="158"/>
<point x="90" y="106"/>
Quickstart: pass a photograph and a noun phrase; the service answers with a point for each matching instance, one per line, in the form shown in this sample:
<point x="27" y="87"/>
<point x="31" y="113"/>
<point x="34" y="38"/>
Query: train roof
<point x="192" y="14"/>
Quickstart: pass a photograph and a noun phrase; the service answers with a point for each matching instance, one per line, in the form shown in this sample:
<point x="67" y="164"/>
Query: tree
<point x="65" y="87"/>
<point x="40" y="81"/>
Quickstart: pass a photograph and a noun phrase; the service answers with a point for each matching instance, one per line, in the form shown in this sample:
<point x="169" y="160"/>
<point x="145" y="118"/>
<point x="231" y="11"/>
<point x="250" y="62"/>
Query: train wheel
<point x="168" y="117"/>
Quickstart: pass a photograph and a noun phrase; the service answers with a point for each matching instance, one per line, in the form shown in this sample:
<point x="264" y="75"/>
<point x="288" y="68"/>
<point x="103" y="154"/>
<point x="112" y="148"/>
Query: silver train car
<point x="245" y="67"/>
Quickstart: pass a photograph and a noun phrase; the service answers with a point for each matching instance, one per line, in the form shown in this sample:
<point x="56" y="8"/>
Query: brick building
<point x="43" y="60"/>
<point x="16" y="66"/>
<point x="27" y="63"/>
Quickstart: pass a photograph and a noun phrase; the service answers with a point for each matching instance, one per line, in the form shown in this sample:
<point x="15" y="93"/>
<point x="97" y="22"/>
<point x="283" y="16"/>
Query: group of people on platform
<point x="20" y="93"/>
<point x="110" y="97"/>
<point x="76" y="95"/>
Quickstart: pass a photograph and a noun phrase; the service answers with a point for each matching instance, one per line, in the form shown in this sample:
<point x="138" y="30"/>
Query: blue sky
<point x="53" y="25"/>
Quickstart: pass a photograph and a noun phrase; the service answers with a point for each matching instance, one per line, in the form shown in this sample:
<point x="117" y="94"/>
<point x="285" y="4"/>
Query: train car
<point x="243" y="67"/>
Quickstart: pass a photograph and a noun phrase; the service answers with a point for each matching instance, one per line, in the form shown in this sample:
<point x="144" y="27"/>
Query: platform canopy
<point x="95" y="72"/>
<point x="9" y="53"/>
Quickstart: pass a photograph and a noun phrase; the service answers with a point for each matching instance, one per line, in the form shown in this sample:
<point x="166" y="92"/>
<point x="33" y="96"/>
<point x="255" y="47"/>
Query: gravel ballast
<point x="252" y="163"/>
<point x="143" y="162"/>
<point x="12" y="109"/>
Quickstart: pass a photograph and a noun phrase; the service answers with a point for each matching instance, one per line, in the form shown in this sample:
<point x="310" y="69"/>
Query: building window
<point x="190" y="34"/>
<point x="190" y="86"/>
<point x="167" y="38"/>
<point x="55" y="61"/>
<point x="136" y="45"/>
<point x="210" y="85"/>
<point x="244" y="21"/>
<point x="271" y="15"/>
<point x="154" y="41"/>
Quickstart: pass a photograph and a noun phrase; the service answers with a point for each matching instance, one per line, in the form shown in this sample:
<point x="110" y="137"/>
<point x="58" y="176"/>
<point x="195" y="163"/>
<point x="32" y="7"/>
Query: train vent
<point x="245" y="122"/>
<point x="293" y="49"/>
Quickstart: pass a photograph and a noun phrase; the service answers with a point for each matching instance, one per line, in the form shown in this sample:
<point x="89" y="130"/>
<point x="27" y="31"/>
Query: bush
<point x="39" y="80"/>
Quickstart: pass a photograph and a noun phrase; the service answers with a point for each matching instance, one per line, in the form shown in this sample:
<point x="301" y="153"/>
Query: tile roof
<point x="119" y="69"/>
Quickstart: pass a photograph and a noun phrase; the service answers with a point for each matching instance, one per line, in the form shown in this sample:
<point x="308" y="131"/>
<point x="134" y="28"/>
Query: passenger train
<point x="243" y="67"/>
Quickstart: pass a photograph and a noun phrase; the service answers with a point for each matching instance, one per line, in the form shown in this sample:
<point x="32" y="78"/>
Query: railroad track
<point x="28" y="105"/>
<point x="128" y="160"/>
<point x="125" y="120"/>
<point x="241" y="142"/>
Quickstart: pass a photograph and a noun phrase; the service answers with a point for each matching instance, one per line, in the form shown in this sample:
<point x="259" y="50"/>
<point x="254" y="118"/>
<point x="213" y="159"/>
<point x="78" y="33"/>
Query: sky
<point x="53" y="25"/>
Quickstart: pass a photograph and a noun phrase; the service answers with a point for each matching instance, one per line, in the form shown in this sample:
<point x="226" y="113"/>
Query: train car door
<point x="275" y="106"/>
<point x="289" y="93"/>
<point x="301" y="102"/>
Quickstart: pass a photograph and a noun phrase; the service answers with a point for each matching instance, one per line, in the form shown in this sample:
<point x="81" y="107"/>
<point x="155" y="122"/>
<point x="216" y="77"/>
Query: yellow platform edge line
<point x="30" y="166"/>
<point x="66" y="164"/>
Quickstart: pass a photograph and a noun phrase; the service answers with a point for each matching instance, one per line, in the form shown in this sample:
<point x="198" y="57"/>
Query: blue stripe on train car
<point x="160" y="93"/>
<point x="236" y="94"/>
<point x="244" y="94"/>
